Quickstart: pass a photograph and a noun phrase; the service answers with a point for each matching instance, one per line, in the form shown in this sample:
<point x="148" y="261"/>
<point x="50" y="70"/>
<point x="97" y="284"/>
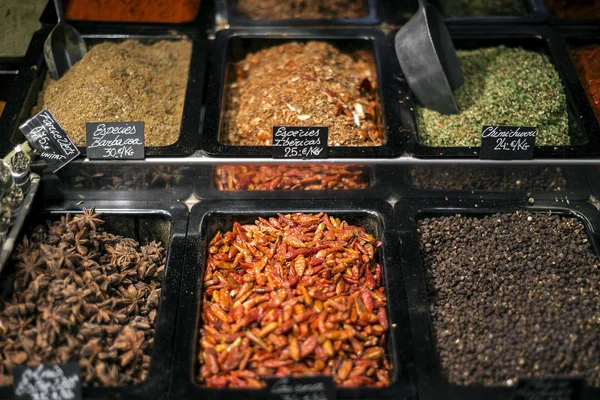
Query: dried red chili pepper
<point x="292" y="315"/>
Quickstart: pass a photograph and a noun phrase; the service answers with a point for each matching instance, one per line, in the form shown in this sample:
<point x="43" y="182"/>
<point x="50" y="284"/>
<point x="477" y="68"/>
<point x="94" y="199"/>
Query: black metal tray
<point x="207" y="217"/>
<point x="583" y="126"/>
<point x="9" y="68"/>
<point x="432" y="382"/>
<point x="233" y="18"/>
<point x="205" y="188"/>
<point x="167" y="224"/>
<point x="398" y="12"/>
<point x="204" y="18"/>
<point x="32" y="74"/>
<point x="575" y="188"/>
<point x="395" y="115"/>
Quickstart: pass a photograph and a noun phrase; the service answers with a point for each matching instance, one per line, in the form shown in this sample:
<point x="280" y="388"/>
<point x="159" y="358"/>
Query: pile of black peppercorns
<point x="512" y="296"/>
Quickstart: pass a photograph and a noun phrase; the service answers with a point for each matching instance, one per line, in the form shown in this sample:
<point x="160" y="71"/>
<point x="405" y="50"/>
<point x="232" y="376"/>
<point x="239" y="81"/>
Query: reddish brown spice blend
<point x="587" y="63"/>
<point x="574" y="9"/>
<point x="290" y="177"/>
<point x="295" y="294"/>
<point x="2" y="104"/>
<point x="301" y="9"/>
<point x="169" y="11"/>
<point x="304" y="84"/>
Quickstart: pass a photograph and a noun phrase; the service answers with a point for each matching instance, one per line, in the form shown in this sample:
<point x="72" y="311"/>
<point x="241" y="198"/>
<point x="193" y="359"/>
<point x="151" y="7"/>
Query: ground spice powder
<point x="503" y="86"/>
<point x="587" y="62"/>
<point x="2" y="104"/>
<point x="574" y="9"/>
<point x="128" y="81"/>
<point x="168" y="11"/>
<point x="304" y="84"/>
<point x="301" y="9"/>
<point x="483" y="8"/>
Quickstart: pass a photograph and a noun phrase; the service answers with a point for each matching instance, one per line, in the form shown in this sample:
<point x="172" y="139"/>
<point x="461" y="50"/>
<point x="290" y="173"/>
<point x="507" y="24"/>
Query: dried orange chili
<point x="587" y="62"/>
<point x="169" y="11"/>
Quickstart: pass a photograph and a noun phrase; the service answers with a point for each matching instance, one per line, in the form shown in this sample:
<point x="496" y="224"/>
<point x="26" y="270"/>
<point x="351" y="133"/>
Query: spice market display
<point x="292" y="221"/>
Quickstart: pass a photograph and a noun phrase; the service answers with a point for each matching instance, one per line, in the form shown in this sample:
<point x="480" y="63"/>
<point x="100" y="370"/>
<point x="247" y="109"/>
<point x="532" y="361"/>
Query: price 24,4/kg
<point x="514" y="145"/>
<point x="292" y="152"/>
<point x="120" y="152"/>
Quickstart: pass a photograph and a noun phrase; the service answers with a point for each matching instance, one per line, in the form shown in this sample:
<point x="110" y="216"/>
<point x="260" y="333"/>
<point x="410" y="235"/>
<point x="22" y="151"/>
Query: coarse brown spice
<point x="290" y="177"/>
<point x="295" y="294"/>
<point x="304" y="84"/>
<point x="512" y="295"/>
<point x="503" y="86"/>
<point x="301" y="9"/>
<point x="79" y="293"/>
<point x="574" y="9"/>
<point x="128" y="81"/>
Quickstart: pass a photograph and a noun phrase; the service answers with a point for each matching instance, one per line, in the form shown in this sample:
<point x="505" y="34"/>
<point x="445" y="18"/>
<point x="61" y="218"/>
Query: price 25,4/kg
<point x="120" y="152"/>
<point x="302" y="152"/>
<point x="514" y="145"/>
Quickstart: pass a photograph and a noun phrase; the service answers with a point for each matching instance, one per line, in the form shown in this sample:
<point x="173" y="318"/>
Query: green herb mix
<point x="483" y="8"/>
<point x="503" y="86"/>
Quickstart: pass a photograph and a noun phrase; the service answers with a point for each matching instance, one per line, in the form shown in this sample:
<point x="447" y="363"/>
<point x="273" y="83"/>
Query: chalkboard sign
<point x="47" y="382"/>
<point x="507" y="143"/>
<point x="115" y="140"/>
<point x="49" y="140"/>
<point x="548" y="389"/>
<point x="301" y="388"/>
<point x="300" y="142"/>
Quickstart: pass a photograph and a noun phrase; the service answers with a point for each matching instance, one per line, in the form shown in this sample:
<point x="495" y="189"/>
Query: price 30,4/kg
<point x="514" y="145"/>
<point x="125" y="151"/>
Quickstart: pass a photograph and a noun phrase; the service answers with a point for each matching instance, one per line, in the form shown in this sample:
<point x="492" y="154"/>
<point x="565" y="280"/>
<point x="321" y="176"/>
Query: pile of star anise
<point x="81" y="293"/>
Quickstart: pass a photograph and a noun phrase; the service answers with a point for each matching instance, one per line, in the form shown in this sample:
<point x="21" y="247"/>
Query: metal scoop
<point x="64" y="46"/>
<point x="428" y="60"/>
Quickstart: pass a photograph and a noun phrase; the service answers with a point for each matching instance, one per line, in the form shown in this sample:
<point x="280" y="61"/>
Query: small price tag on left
<point x="47" y="382"/>
<point x="49" y="140"/>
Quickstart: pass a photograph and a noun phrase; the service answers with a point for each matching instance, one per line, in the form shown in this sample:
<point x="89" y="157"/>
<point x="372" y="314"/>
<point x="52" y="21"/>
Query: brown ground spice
<point x="128" y="81"/>
<point x="301" y="9"/>
<point x="587" y="63"/>
<point x="304" y="84"/>
<point x="2" y="104"/>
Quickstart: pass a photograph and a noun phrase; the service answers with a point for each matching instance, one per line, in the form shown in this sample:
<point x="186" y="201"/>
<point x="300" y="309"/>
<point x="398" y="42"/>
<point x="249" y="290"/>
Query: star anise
<point x="81" y="241"/>
<point x="29" y="268"/>
<point x="130" y="344"/>
<point x="91" y="218"/>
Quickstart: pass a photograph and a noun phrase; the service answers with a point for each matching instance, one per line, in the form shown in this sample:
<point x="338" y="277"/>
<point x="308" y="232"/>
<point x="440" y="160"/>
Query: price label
<point x="49" y="140"/>
<point x="300" y="142"/>
<point x="115" y="140"/>
<point x="301" y="388"/>
<point x="548" y="389"/>
<point x="47" y="382"/>
<point x="507" y="143"/>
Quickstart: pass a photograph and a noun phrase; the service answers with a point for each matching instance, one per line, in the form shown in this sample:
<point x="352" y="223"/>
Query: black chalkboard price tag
<point x="47" y="382"/>
<point x="300" y="142"/>
<point x="114" y="140"/>
<point x="49" y="140"/>
<point x="548" y="389"/>
<point x="507" y="142"/>
<point x="301" y="388"/>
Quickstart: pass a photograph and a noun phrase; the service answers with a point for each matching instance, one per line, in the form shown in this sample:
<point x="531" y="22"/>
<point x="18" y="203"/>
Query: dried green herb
<point x="503" y="86"/>
<point x="483" y="8"/>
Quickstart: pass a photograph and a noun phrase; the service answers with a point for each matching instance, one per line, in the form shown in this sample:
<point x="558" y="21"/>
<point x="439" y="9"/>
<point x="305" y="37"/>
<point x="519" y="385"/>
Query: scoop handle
<point x="60" y="10"/>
